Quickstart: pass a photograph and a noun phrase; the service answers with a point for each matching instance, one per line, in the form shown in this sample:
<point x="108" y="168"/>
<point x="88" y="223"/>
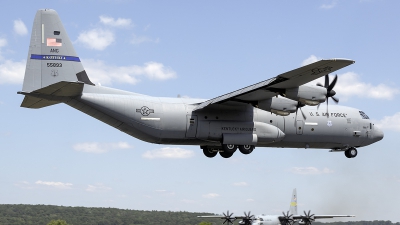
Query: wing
<point x="297" y="217"/>
<point x="221" y="217"/>
<point x="331" y="216"/>
<point x="268" y="88"/>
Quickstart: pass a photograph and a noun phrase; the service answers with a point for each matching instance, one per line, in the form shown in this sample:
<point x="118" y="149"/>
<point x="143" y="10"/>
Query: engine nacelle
<point x="308" y="95"/>
<point x="278" y="106"/>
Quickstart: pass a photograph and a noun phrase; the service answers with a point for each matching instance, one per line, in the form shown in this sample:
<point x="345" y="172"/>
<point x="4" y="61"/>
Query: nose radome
<point x="378" y="134"/>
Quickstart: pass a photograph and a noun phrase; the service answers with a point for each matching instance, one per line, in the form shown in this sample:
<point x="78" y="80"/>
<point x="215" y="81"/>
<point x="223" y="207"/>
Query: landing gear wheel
<point x="229" y="148"/>
<point x="246" y="149"/>
<point x="209" y="153"/>
<point x="225" y="154"/>
<point x="351" y="152"/>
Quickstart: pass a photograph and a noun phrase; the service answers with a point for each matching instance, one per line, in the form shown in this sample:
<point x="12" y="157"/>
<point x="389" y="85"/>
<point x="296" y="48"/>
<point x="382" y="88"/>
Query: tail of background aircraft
<point x="293" y="203"/>
<point x="53" y="69"/>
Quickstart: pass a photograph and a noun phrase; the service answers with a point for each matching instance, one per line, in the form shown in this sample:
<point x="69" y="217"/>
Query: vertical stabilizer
<point x="293" y="203"/>
<point x="51" y="56"/>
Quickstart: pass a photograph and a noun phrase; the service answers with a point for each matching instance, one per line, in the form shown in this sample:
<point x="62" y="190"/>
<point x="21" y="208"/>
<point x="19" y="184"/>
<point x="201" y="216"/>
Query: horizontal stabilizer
<point x="51" y="94"/>
<point x="36" y="103"/>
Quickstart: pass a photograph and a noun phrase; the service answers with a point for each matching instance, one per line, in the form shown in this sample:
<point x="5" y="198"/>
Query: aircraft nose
<point x="378" y="135"/>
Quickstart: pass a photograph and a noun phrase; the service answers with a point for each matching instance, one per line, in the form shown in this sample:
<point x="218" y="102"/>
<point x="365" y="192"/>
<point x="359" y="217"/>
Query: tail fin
<point x="293" y="203"/>
<point x="51" y="58"/>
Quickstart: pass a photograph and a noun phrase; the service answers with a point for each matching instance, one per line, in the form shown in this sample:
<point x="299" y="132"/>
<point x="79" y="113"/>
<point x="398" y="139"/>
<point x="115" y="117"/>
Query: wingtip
<point x="343" y="59"/>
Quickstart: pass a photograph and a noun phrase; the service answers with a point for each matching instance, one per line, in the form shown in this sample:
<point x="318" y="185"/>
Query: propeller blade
<point x="326" y="81"/>
<point x="319" y="84"/>
<point x="335" y="99"/>
<point x="332" y="85"/>
<point x="327" y="112"/>
<point x="304" y="117"/>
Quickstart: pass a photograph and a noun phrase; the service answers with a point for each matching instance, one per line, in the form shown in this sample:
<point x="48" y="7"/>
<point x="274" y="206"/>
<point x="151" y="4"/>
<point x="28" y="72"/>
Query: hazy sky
<point x="60" y="156"/>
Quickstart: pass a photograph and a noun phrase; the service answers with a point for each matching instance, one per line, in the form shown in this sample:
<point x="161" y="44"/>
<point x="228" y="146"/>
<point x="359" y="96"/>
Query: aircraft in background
<point x="288" y="218"/>
<point x="259" y="115"/>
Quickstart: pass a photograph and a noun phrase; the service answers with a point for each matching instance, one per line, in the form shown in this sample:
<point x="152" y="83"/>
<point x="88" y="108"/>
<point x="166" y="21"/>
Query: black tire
<point x="209" y="153"/>
<point x="229" y="148"/>
<point x="246" y="149"/>
<point x="225" y="154"/>
<point x="351" y="152"/>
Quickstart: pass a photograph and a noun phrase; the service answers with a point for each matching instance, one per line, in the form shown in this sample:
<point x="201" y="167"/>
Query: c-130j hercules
<point x="259" y="115"/>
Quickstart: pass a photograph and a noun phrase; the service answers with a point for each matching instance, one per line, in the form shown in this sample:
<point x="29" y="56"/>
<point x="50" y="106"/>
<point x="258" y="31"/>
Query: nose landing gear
<point x="351" y="152"/>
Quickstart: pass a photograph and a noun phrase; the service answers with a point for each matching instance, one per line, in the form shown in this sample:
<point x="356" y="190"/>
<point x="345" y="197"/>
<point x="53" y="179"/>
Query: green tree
<point x="57" y="222"/>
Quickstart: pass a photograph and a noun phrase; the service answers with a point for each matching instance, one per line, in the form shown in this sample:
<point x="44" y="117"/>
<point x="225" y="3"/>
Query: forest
<point x="65" y="215"/>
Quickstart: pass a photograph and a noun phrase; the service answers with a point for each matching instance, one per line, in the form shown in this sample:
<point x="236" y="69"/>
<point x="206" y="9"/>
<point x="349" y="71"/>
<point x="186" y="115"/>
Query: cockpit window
<point x="363" y="115"/>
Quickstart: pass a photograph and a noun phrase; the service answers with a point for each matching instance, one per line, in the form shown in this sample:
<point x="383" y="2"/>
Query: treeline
<point x="43" y="214"/>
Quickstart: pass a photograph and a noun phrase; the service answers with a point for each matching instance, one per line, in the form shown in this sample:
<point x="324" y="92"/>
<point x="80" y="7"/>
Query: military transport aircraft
<point x="259" y="115"/>
<point x="289" y="218"/>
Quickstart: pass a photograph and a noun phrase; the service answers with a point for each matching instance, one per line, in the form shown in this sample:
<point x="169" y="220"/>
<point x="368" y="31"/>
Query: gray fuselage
<point x="173" y="121"/>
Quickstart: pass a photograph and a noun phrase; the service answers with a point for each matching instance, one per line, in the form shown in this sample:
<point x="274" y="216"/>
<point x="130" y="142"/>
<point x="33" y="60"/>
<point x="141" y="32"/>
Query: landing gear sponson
<point x="226" y="150"/>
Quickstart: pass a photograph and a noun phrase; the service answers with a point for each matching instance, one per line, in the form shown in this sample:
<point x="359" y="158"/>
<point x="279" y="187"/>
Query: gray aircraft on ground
<point x="288" y="218"/>
<point x="259" y="115"/>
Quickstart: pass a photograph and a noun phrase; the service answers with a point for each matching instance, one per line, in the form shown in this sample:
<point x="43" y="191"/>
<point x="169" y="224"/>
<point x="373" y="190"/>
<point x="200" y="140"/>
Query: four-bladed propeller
<point x="287" y="219"/>
<point x="308" y="218"/>
<point x="228" y="218"/>
<point x="329" y="91"/>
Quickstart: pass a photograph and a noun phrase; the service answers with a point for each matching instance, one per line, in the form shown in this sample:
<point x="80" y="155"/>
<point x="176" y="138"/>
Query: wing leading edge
<point x="267" y="89"/>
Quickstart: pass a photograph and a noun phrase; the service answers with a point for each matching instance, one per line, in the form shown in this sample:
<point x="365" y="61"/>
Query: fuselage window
<point x="363" y="115"/>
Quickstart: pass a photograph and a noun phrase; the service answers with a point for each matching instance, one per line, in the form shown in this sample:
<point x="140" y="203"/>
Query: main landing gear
<point x="226" y="150"/>
<point x="351" y="152"/>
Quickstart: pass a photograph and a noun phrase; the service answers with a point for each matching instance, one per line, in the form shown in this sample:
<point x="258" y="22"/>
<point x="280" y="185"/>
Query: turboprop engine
<point x="278" y="106"/>
<point x="308" y="95"/>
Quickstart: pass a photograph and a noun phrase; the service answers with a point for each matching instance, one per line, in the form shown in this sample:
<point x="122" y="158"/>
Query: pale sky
<point x="60" y="156"/>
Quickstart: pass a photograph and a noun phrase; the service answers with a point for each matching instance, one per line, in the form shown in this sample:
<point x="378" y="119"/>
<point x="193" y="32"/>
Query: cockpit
<point x="363" y="115"/>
